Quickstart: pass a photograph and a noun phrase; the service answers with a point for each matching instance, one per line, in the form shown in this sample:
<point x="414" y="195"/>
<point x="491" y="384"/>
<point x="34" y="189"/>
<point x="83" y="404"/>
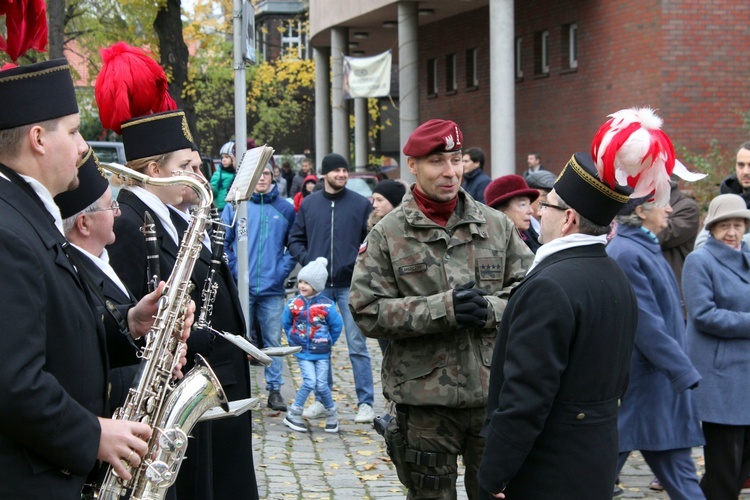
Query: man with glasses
<point x="562" y="354"/>
<point x="89" y="214"/>
<point x="433" y="278"/>
<point x="269" y="265"/>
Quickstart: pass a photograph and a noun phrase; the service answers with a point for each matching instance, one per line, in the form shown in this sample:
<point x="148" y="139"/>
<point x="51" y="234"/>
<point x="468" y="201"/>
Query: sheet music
<point x="248" y="173"/>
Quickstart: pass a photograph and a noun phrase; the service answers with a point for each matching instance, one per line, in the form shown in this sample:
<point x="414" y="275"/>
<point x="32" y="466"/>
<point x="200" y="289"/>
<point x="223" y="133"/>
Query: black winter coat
<point x="560" y="367"/>
<point x="53" y="378"/>
<point x="331" y="226"/>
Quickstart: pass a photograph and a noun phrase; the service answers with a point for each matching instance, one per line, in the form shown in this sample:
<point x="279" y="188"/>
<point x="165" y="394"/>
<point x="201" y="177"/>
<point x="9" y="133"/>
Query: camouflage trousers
<point x="443" y="433"/>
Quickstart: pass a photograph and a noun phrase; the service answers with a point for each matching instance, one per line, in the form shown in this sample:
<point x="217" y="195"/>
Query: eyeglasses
<point x="266" y="173"/>
<point x="545" y="205"/>
<point x="114" y="206"/>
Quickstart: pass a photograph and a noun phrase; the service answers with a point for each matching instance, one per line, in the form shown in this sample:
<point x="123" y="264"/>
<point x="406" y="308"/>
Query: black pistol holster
<point x="395" y="441"/>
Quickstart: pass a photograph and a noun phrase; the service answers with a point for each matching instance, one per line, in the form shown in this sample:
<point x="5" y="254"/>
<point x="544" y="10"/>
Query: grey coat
<point x="716" y="285"/>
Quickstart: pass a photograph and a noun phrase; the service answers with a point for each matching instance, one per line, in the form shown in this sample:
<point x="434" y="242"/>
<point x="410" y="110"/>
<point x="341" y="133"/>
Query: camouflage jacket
<point x="402" y="290"/>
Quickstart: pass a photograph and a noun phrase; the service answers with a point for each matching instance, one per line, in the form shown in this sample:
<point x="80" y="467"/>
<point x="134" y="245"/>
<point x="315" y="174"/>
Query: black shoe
<point x="618" y="491"/>
<point x="275" y="401"/>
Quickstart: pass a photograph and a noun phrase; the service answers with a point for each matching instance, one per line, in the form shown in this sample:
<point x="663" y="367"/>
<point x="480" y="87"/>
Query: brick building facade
<point x="685" y="58"/>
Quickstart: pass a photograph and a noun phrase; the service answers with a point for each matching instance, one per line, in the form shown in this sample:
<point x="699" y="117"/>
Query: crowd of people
<point x="541" y="327"/>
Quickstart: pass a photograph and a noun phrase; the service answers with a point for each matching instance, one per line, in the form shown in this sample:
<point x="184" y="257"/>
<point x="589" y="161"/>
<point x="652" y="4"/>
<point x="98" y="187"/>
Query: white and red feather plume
<point x="130" y="84"/>
<point x="632" y="150"/>
<point x="26" y="27"/>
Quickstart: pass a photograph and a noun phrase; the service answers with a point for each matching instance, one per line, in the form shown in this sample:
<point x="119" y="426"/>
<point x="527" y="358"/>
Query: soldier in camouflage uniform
<point x="433" y="278"/>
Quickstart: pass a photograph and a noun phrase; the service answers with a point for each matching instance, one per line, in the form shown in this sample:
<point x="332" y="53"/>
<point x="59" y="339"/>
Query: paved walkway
<point x="353" y="464"/>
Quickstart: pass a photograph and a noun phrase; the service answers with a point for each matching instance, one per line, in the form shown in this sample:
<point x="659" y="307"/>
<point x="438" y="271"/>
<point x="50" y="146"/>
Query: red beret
<point x="434" y="136"/>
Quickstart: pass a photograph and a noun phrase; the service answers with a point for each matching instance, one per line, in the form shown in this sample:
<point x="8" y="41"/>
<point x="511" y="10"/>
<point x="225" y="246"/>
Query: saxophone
<point x="172" y="410"/>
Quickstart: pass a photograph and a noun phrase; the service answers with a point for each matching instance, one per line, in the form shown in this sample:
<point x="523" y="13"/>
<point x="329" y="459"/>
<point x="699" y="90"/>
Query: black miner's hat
<point x="35" y="93"/>
<point x="580" y="187"/>
<point x="92" y="183"/>
<point x="156" y="134"/>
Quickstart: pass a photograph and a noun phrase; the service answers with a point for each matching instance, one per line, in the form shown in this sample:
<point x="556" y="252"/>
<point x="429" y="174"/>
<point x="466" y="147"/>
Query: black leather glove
<point x="470" y="306"/>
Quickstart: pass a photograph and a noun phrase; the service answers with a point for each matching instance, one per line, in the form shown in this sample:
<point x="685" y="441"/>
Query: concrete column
<point x="408" y="75"/>
<point x="360" y="133"/>
<point x="321" y="56"/>
<point x="339" y="105"/>
<point x="502" y="89"/>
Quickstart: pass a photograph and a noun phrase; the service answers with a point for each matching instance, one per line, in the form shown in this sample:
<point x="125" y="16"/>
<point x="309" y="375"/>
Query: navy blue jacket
<point x="475" y="182"/>
<point x="326" y="218"/>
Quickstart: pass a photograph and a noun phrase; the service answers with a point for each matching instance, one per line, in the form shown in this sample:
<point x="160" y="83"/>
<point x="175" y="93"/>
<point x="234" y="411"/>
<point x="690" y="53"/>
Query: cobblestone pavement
<point x="353" y="464"/>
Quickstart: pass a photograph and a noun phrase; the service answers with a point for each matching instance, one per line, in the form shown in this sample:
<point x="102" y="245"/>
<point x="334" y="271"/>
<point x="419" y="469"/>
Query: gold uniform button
<point x="580" y="416"/>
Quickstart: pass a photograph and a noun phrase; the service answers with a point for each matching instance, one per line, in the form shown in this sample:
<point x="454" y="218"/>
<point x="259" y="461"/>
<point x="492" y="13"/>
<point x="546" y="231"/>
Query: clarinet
<point x="153" y="272"/>
<point x="211" y="287"/>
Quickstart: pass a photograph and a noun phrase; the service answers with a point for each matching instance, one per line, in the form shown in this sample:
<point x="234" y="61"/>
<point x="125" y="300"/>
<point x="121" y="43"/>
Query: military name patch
<point x="414" y="268"/>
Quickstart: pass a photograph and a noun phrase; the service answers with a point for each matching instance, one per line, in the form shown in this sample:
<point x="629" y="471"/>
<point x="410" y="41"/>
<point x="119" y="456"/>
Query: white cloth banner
<point x="367" y="76"/>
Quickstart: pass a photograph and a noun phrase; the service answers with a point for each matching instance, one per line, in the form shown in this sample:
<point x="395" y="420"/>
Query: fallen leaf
<point x="364" y="453"/>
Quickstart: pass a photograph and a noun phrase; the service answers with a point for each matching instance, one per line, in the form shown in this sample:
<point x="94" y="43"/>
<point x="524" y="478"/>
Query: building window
<point x="262" y="40"/>
<point x="519" y="60"/>
<point x="572" y="48"/>
<point x="293" y="39"/>
<point x="450" y="73"/>
<point x="472" y="80"/>
<point x="541" y="53"/>
<point x="432" y="86"/>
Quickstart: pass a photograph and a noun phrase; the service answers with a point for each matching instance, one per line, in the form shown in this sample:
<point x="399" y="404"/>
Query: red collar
<point x="437" y="212"/>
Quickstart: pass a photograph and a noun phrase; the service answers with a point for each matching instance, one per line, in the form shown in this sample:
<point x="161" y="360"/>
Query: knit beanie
<point x="391" y="190"/>
<point x="331" y="162"/>
<point x="315" y="273"/>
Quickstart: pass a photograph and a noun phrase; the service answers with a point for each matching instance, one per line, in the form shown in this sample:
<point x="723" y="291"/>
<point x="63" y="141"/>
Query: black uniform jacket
<point x="119" y="346"/>
<point x="560" y="366"/>
<point x="53" y="374"/>
<point x="231" y="438"/>
<point x="206" y="473"/>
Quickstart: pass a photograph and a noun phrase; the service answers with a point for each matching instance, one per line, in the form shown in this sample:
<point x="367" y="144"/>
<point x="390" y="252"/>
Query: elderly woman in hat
<point x="716" y="284"/>
<point x="657" y="415"/>
<point x="512" y="196"/>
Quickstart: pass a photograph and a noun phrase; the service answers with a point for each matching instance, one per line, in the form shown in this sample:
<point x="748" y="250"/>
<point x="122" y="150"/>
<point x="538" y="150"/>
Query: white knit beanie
<point x="315" y="273"/>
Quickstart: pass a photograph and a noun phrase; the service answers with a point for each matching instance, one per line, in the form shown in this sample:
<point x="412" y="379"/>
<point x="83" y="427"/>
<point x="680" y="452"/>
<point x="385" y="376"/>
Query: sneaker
<point x="655" y="485"/>
<point x="365" y="415"/>
<point x="293" y="419"/>
<point x="315" y="410"/>
<point x="332" y="420"/>
<point x="275" y="401"/>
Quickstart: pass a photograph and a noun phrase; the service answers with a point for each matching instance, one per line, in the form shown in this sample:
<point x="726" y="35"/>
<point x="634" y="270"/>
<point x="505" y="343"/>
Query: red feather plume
<point x="130" y="84"/>
<point x="631" y="149"/>
<point x="26" y="25"/>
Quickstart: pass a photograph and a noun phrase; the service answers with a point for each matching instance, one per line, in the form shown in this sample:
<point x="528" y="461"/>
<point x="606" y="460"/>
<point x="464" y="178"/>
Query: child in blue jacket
<point x="312" y="322"/>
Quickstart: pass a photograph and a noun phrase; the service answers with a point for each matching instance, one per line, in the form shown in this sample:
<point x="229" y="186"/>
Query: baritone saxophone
<point x="171" y="409"/>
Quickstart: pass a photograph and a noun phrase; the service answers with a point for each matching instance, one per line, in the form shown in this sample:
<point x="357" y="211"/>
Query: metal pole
<point x="240" y="134"/>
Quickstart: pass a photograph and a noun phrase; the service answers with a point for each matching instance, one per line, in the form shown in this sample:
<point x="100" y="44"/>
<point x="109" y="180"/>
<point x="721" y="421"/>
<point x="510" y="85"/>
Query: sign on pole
<point x="248" y="34"/>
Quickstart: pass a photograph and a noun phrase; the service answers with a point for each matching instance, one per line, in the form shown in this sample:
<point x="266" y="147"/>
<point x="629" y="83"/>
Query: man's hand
<point x="123" y="444"/>
<point x="470" y="306"/>
<point x="182" y="361"/>
<point x="141" y="315"/>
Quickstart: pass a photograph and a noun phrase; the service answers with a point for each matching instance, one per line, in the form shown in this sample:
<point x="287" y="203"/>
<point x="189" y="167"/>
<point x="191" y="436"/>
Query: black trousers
<point x="727" y="455"/>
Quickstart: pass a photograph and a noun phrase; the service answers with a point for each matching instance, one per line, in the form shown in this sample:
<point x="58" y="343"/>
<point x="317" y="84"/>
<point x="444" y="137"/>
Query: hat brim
<point x="737" y="214"/>
<point x="530" y="193"/>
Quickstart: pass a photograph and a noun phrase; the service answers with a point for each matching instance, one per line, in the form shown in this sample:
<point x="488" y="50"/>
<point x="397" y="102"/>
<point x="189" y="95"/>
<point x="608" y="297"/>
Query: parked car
<point x="109" y="152"/>
<point x="362" y="183"/>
